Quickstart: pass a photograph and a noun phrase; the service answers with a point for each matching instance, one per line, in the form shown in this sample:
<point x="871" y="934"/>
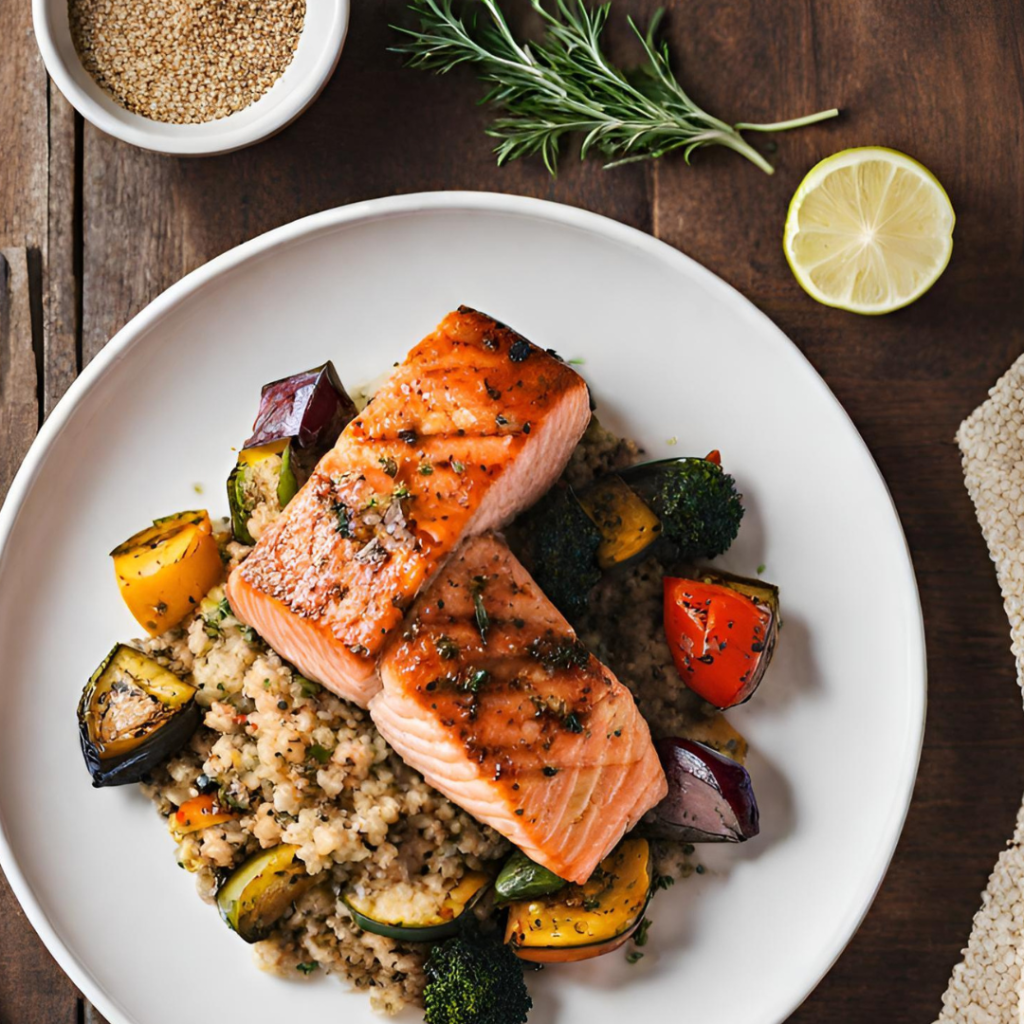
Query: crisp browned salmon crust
<point x="473" y="427"/>
<point x="490" y="695"/>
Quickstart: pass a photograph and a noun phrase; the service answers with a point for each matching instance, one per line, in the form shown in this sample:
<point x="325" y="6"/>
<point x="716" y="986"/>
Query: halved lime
<point x="869" y="230"/>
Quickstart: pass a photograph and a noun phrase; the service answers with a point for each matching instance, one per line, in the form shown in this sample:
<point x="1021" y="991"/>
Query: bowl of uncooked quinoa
<point x="190" y="77"/>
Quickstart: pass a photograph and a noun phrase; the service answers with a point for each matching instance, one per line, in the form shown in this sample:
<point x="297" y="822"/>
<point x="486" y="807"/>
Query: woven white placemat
<point x="985" y="986"/>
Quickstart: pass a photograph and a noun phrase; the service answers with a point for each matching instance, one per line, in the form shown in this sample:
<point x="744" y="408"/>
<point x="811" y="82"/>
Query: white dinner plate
<point x="671" y="352"/>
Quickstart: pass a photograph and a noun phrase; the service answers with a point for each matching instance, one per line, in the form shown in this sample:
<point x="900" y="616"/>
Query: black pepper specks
<point x="520" y="350"/>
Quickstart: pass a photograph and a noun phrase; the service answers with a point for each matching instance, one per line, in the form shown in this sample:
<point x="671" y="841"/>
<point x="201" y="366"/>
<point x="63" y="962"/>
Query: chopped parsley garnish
<point x="320" y="754"/>
<point x="401" y="491"/>
<point x="306" y="686"/>
<point x="483" y="622"/>
<point x="308" y="967"/>
<point x="634" y="957"/>
<point x="560" y="652"/>
<point x="343" y="520"/>
<point x="761" y="568"/>
<point x="640" y="935"/>
<point x="389" y="465"/>
<point x="426" y="469"/>
<point x="458" y="467"/>
<point x="475" y="680"/>
<point x="664" y="882"/>
<point x="447" y="648"/>
<point x="591" y="903"/>
<point x="572" y="723"/>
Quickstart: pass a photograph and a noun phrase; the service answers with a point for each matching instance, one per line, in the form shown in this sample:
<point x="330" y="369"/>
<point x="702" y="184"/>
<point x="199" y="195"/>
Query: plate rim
<point x="411" y="204"/>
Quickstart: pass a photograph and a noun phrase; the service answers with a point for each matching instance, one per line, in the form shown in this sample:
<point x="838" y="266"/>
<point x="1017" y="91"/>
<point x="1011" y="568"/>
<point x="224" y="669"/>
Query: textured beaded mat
<point x="985" y="985"/>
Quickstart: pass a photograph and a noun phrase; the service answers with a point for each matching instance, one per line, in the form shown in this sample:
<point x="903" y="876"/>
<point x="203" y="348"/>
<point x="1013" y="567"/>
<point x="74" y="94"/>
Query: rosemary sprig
<point x="565" y="84"/>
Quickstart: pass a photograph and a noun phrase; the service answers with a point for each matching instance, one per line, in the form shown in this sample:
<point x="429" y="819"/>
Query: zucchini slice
<point x="377" y="914"/>
<point x="260" y="890"/>
<point x="256" y="480"/>
<point x="583" y="921"/>
<point x="132" y="715"/>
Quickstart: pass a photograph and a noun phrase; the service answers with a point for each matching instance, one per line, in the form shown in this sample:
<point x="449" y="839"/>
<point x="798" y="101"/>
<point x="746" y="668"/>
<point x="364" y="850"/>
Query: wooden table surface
<point x="92" y="230"/>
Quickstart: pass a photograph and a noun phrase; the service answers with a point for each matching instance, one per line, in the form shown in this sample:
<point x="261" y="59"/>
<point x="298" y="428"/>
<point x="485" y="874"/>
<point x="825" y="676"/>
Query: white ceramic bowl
<point x="315" y="59"/>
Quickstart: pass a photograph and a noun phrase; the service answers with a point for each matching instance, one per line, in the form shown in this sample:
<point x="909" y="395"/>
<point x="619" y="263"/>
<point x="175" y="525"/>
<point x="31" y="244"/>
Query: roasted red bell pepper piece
<point x="199" y="812"/>
<point x="721" y="630"/>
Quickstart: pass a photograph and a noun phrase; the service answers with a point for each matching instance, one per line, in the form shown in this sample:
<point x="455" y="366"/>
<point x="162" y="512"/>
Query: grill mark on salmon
<point x="473" y="427"/>
<point x="506" y="712"/>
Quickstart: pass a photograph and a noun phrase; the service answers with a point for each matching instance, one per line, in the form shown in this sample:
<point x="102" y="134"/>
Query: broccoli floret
<point x="563" y="543"/>
<point x="698" y="505"/>
<point x="474" y="980"/>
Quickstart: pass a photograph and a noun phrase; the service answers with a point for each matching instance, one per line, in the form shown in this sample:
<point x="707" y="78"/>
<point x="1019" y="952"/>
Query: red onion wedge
<point x="710" y="798"/>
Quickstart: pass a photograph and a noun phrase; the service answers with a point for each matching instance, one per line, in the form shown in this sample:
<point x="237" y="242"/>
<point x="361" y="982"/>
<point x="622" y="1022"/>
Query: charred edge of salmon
<point x="512" y="335"/>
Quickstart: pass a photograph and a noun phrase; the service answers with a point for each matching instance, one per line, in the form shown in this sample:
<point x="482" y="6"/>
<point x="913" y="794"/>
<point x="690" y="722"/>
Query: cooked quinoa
<point x="306" y="768"/>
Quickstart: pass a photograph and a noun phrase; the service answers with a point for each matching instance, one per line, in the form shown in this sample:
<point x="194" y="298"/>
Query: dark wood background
<point x="91" y="230"/>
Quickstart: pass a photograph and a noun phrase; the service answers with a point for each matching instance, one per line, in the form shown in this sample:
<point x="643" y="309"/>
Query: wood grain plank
<point x="19" y="408"/>
<point x="911" y="76"/>
<point x="61" y="291"/>
<point x="33" y="990"/>
<point x="23" y="135"/>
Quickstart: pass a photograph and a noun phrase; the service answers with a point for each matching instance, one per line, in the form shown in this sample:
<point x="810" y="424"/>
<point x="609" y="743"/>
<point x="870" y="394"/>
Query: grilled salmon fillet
<point x="474" y="426"/>
<point x="490" y="695"/>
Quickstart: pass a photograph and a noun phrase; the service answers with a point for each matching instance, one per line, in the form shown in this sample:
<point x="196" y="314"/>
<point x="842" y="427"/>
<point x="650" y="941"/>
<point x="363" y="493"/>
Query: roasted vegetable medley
<point x="139" y="709"/>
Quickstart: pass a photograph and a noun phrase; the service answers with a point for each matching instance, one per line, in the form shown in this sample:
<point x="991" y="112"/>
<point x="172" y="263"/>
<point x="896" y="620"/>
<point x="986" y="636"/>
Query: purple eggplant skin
<point x="310" y="408"/>
<point x="710" y="798"/>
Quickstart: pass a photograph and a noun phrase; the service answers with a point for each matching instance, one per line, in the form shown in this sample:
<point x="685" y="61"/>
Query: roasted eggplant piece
<point x="200" y="812"/>
<point x="132" y="715"/>
<point x="627" y="524"/>
<point x="299" y="420"/>
<point x="377" y="914"/>
<point x="722" y="631"/>
<point x="695" y="500"/>
<point x="309" y="409"/>
<point x="522" y="879"/>
<point x="165" y="570"/>
<point x="710" y="798"/>
<point x="260" y="890"/>
<point x="583" y="921"/>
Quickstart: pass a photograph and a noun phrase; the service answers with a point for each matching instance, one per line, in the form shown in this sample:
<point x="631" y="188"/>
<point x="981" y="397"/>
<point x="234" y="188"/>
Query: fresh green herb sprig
<point x="565" y="84"/>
